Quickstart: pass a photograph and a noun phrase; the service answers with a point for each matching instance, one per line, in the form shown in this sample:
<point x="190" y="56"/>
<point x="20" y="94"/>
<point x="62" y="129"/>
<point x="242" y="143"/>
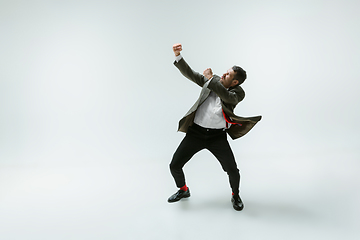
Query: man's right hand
<point x="177" y="48"/>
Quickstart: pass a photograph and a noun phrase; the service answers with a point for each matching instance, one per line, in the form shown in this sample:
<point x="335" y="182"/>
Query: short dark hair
<point x="240" y="74"/>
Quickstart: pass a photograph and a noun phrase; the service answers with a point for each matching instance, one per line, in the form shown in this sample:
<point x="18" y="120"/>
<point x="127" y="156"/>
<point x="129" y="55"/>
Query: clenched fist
<point x="177" y="48"/>
<point x="208" y="73"/>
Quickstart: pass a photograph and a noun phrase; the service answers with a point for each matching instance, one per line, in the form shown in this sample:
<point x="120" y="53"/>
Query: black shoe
<point x="238" y="205"/>
<point x="179" y="195"/>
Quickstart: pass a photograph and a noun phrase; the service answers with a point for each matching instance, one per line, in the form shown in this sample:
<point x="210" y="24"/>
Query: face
<point x="227" y="79"/>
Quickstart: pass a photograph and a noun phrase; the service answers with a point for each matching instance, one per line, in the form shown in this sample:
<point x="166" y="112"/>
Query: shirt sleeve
<point x="178" y="58"/>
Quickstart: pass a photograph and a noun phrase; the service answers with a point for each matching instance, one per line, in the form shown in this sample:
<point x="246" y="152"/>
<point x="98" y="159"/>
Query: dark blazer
<point x="229" y="99"/>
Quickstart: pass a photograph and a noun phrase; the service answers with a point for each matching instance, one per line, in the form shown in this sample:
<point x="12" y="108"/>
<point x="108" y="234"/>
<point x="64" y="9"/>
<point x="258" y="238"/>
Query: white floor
<point x="311" y="198"/>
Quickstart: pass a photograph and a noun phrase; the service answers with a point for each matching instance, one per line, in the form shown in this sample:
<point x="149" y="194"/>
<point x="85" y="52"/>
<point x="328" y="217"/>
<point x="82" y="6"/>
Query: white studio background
<point x="91" y="85"/>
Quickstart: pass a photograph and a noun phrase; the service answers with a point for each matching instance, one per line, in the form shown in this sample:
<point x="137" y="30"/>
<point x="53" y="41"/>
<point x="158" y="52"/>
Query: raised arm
<point x="185" y="69"/>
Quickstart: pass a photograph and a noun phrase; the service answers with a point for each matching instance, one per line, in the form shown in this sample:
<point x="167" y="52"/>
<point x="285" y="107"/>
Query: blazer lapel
<point x="204" y="93"/>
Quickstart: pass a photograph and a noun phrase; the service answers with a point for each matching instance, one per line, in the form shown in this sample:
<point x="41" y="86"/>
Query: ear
<point x="234" y="83"/>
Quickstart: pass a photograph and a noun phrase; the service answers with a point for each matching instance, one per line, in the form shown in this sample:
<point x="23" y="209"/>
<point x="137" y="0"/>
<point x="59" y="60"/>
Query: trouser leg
<point x="221" y="149"/>
<point x="190" y="145"/>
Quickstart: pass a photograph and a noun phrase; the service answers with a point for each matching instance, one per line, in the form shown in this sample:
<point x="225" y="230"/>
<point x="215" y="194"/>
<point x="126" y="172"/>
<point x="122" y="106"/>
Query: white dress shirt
<point x="209" y="114"/>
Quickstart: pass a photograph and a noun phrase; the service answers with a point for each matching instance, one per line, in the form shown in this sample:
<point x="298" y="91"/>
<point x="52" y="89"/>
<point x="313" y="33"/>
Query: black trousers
<point x="215" y="140"/>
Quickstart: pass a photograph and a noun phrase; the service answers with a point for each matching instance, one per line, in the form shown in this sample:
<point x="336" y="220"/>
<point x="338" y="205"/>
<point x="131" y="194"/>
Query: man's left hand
<point x="208" y="73"/>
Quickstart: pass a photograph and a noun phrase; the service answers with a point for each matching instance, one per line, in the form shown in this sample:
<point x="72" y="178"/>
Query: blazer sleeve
<point x="232" y="96"/>
<point x="187" y="72"/>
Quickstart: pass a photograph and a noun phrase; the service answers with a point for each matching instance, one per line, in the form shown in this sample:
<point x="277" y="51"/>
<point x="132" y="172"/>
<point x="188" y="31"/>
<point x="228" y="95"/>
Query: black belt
<point x="208" y="129"/>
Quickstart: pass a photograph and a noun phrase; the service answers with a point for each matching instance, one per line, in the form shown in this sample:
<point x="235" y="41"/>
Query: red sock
<point x="184" y="188"/>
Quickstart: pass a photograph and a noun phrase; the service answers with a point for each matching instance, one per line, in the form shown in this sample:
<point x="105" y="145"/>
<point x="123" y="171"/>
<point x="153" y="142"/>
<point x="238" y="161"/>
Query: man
<point x="207" y="123"/>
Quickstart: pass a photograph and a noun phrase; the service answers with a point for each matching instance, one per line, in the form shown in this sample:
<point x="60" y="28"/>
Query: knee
<point x="233" y="172"/>
<point x="176" y="162"/>
<point x="173" y="166"/>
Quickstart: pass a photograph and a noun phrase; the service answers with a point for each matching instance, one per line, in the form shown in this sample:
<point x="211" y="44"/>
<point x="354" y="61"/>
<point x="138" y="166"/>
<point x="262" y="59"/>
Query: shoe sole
<point x="187" y="196"/>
